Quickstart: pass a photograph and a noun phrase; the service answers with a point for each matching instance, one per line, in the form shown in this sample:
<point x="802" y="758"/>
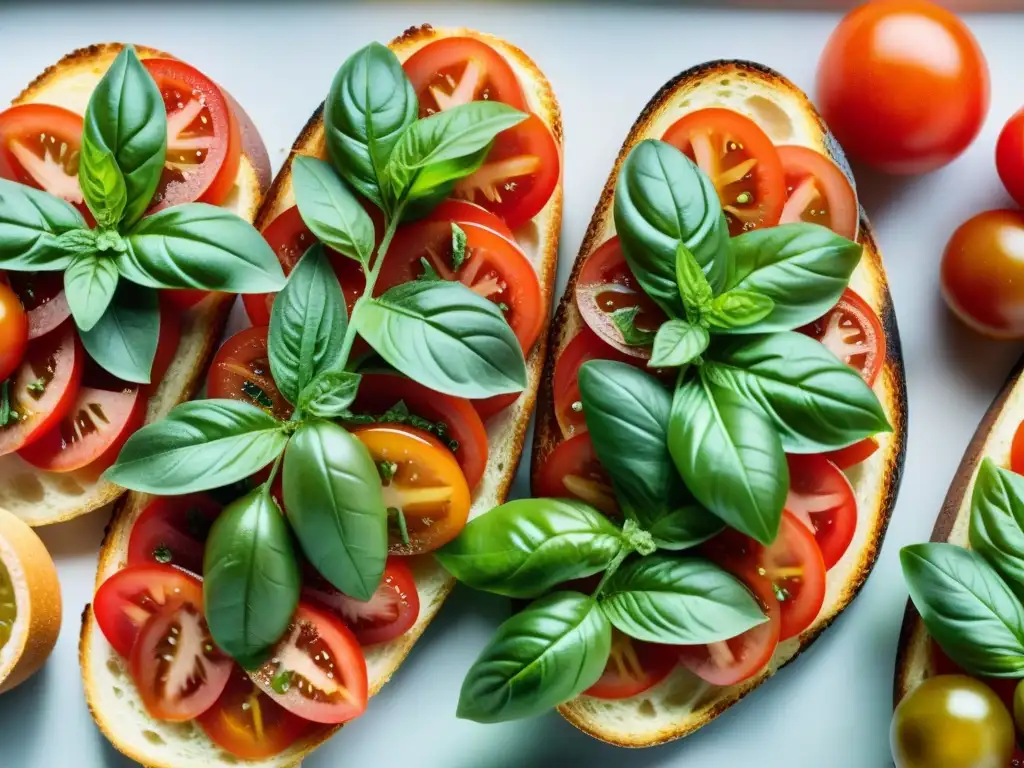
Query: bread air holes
<point x="771" y="117"/>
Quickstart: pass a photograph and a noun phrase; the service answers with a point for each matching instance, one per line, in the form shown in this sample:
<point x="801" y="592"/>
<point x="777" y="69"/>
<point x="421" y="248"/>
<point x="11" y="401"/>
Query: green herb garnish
<point x="458" y="247"/>
<point x="162" y="554"/>
<point x="255" y="393"/>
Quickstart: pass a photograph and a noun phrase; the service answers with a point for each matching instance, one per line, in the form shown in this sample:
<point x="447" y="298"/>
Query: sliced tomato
<point x="40" y="146"/>
<point x="424" y="489"/>
<point x="584" y="346"/>
<point x="173" y="530"/>
<point x="289" y="236"/>
<point x="822" y="498"/>
<point x="177" y="669"/>
<point x="390" y="613"/>
<point x="13" y="331"/>
<point x="126" y="600"/>
<point x="166" y="345"/>
<point x="852" y="455"/>
<point x="493" y="267"/>
<point x="853" y="333"/>
<point x="455" y="211"/>
<point x="491" y="406"/>
<point x="792" y="566"/>
<point x="317" y="671"/>
<point x="457" y="70"/>
<point x="818" y="192"/>
<point x="42" y="296"/>
<point x="520" y="173"/>
<point x="605" y="289"/>
<point x="248" y="723"/>
<point x="184" y="299"/>
<point x="379" y="392"/>
<point x="204" y="144"/>
<point x="741" y="161"/>
<point x="92" y="434"/>
<point x="633" y="667"/>
<point x="43" y="389"/>
<point x="572" y="470"/>
<point x="241" y="371"/>
<point x="1017" y="450"/>
<point x="740" y="658"/>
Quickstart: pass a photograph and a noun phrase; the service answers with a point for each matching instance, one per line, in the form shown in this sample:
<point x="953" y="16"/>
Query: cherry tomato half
<point x="42" y="296"/>
<point x="173" y="530"/>
<point x="13" y="331"/>
<point x="822" y="498"/>
<point x="633" y="667"/>
<point x="903" y="85"/>
<point x="741" y="161"/>
<point x="572" y="470"/>
<point x="852" y="332"/>
<point x="818" y="192"/>
<point x="241" y="371"/>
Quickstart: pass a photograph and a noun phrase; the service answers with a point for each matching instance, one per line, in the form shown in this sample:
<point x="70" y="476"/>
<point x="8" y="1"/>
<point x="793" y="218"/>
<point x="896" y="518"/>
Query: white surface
<point x="832" y="706"/>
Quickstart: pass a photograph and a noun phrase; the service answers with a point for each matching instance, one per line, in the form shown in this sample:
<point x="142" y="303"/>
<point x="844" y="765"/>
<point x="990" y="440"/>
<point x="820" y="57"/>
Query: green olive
<point x="952" y="721"/>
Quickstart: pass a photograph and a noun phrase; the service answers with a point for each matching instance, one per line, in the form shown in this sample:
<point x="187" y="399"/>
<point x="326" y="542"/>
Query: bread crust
<point x="667" y="103"/>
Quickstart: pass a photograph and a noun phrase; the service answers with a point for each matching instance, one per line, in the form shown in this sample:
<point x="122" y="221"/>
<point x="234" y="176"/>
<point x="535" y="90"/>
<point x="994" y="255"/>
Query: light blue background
<point x="831" y="707"/>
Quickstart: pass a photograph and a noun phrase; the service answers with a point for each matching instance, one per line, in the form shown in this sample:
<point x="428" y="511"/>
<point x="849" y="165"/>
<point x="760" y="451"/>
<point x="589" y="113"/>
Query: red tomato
<point x="178" y="670"/>
<point x="818" y="192"/>
<point x="92" y="434"/>
<point x="1017" y="450"/>
<point x="248" y="723"/>
<point x="379" y="392"/>
<point x="852" y="455"/>
<point x="822" y="498"/>
<point x="584" y="346"/>
<point x="317" y="671"/>
<point x="572" y="470"/>
<point x="126" y="600"/>
<point x="457" y="70"/>
<point x="982" y="273"/>
<point x="494" y="268"/>
<point x="462" y="212"/>
<point x="13" y="331"/>
<point x="390" y="613"/>
<point x="739" y="658"/>
<point x="741" y="161"/>
<point x="167" y="344"/>
<point x="606" y="285"/>
<point x="1010" y="156"/>
<point x="852" y="332"/>
<point x="184" y="299"/>
<point x="204" y="144"/>
<point x="44" y="388"/>
<point x="491" y="406"/>
<point x="289" y="236"/>
<point x="39" y="146"/>
<point x="792" y="566"/>
<point x="241" y="371"/>
<point x="42" y="296"/>
<point x="173" y="530"/>
<point x="633" y="667"/>
<point x="903" y="85"/>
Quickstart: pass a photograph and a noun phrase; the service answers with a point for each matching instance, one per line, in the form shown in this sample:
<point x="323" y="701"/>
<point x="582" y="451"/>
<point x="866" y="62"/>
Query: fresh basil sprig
<point x="997" y="522"/>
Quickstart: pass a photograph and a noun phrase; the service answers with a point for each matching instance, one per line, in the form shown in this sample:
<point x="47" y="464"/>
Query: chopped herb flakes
<point x="399" y="414"/>
<point x="255" y="393"/>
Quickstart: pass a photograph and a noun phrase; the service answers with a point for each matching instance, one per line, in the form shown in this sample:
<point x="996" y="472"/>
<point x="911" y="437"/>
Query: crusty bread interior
<point x="113" y="699"/>
<point x="683" y="703"/>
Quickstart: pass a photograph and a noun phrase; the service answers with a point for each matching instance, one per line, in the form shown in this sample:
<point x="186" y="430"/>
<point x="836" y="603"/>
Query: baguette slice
<point x="41" y="498"/>
<point x="682" y="703"/>
<point x="993" y="439"/>
<point x="112" y="696"/>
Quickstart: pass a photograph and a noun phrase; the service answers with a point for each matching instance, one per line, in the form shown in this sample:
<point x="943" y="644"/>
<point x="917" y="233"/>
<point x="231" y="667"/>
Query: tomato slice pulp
<point x="42" y="296"/>
<point x="633" y="667"/>
<point x="572" y="470"/>
<point x="14" y="326"/>
<point x="818" y="192"/>
<point x="853" y="333"/>
<point x="241" y="371"/>
<point x="172" y="530"/>
<point x="822" y="498"/>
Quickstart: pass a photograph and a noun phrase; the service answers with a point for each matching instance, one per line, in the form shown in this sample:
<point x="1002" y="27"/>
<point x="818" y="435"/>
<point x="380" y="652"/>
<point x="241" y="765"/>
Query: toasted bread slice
<point x="41" y="498"/>
<point x="112" y="696"/>
<point x="992" y="439"/>
<point x="682" y="703"/>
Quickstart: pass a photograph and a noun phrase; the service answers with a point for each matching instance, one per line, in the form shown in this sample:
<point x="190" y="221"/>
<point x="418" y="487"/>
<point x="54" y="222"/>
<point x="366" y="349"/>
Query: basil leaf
<point x="682" y="601"/>
<point x="738" y="308"/>
<point x="997" y="522"/>
<point x="307" y="324"/>
<point x="816" y="402"/>
<point x="678" y="343"/>
<point x="330" y="394"/>
<point x="681" y="527"/>
<point x="729" y="456"/>
<point x="89" y="284"/>
<point x="446" y="146"/>
<point x="124" y="142"/>
<point x="251" y="579"/>
<point x="624" y="320"/>
<point x="124" y="340"/>
<point x="967" y="608"/>
<point x="525" y="548"/>
<point x="546" y="654"/>
<point x="802" y="268"/>
<point x="32" y="223"/>
<point x="330" y="210"/>
<point x="336" y="507"/>
<point x="663" y="200"/>
<point x="370" y="104"/>
<point x="199" y="445"/>
<point x="445" y="337"/>
<point x="694" y="288"/>
<point x="196" y="245"/>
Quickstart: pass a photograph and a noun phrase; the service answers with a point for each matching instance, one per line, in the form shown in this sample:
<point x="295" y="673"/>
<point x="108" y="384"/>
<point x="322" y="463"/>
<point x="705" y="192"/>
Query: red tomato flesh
<point x="822" y="498"/>
<point x="42" y="296"/>
<point x="461" y="212"/>
<point x="173" y="530"/>
<point x="817" y="192"/>
<point x="633" y="667"/>
<point x="852" y="332"/>
<point x="572" y="470"/>
<point x="852" y="455"/>
<point x="241" y="371"/>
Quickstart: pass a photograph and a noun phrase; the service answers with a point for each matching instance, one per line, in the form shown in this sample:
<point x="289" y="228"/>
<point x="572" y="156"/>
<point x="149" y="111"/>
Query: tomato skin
<point x="822" y="498"/>
<point x="572" y="470"/>
<point x="173" y="530"/>
<point x="852" y="332"/>
<point x="455" y="211"/>
<point x="42" y="296"/>
<point x="890" y="105"/>
<point x="1017" y="450"/>
<point x="1010" y="156"/>
<point x="241" y="363"/>
<point x="13" y="331"/>
<point x="852" y="455"/>
<point x="633" y="667"/>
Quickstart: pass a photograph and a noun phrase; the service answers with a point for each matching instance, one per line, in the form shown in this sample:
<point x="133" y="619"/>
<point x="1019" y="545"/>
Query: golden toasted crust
<point x="567" y="321"/>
